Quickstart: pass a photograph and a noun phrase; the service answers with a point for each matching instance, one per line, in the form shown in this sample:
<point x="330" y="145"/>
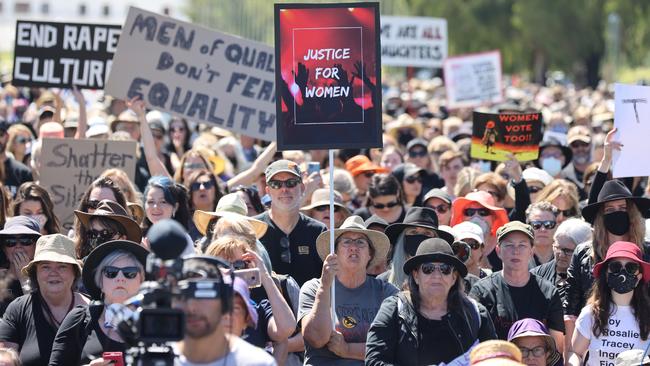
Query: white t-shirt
<point x="241" y="353"/>
<point x="621" y="334"/>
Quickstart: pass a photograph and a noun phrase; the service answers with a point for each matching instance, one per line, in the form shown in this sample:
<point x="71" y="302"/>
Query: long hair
<point x="193" y="177"/>
<point x="397" y="257"/>
<point x="169" y="146"/>
<point x="174" y="194"/>
<point x="456" y="297"/>
<point x="636" y="231"/>
<point x="30" y="191"/>
<point x="564" y="189"/>
<point x="178" y="175"/>
<point x="601" y="305"/>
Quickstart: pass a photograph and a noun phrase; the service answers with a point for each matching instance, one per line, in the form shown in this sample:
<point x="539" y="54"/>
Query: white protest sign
<point x="473" y="80"/>
<point x="632" y="120"/>
<point x="196" y="73"/>
<point x="413" y="41"/>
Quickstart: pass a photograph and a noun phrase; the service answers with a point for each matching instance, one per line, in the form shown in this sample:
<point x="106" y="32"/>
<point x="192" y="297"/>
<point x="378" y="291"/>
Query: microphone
<point x="167" y="239"/>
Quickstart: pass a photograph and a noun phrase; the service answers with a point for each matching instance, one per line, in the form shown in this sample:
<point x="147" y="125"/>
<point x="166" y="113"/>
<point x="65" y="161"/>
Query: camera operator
<point x="206" y="341"/>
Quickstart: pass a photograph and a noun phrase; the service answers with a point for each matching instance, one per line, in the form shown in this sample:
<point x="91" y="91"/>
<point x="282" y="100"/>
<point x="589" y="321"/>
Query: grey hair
<point x="397" y="276"/>
<point x="575" y="229"/>
<point x="112" y="258"/>
<point x="343" y="181"/>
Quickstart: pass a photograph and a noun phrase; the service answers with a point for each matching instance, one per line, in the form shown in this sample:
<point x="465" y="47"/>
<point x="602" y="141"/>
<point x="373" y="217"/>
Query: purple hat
<point x="241" y="288"/>
<point x="529" y="327"/>
<point x="21" y="225"/>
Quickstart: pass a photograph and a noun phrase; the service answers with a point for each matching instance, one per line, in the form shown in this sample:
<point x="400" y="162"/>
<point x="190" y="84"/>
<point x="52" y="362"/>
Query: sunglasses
<point x="444" y="268"/>
<point x="441" y="209"/>
<point x="548" y="224"/>
<point x="326" y="208"/>
<point x="22" y="139"/>
<point x="197" y="185"/>
<point x="473" y="211"/>
<point x="24" y="241"/>
<point x="417" y="153"/>
<point x="629" y="267"/>
<point x="277" y="184"/>
<point x="285" y="255"/>
<point x="381" y="206"/>
<point x="461" y="250"/>
<point x="568" y="213"/>
<point x="368" y="174"/>
<point x="191" y="166"/>
<point x="412" y="179"/>
<point x="534" y="189"/>
<point x="128" y="272"/>
<point x="103" y="235"/>
<point x="536" y="351"/>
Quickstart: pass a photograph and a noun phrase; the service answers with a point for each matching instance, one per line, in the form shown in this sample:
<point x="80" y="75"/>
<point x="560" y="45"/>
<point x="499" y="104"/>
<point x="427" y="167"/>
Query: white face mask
<point x="553" y="166"/>
<point x="482" y="223"/>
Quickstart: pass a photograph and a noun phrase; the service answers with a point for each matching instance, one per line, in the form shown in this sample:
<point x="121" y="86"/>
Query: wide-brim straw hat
<point x="354" y="224"/>
<point x="53" y="248"/>
<point x="230" y="205"/>
<point x="114" y="211"/>
<point x="321" y="197"/>
<point x="495" y="353"/>
<point x="126" y="116"/>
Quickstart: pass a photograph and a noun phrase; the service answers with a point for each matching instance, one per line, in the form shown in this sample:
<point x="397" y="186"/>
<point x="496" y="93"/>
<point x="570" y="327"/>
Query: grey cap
<point x="437" y="193"/>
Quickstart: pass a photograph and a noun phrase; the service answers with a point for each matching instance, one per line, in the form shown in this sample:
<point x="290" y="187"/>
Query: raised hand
<point x="302" y="77"/>
<point x="136" y="105"/>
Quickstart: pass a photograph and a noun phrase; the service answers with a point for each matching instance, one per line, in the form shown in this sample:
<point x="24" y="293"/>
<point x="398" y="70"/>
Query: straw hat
<point x="114" y="211"/>
<point x="53" y="248"/>
<point x="230" y="205"/>
<point x="495" y="353"/>
<point x="354" y="224"/>
<point x="321" y="197"/>
<point x="126" y="116"/>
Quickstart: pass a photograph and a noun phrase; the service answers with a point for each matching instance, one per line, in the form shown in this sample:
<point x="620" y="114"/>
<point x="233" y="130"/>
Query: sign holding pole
<point x="632" y="122"/>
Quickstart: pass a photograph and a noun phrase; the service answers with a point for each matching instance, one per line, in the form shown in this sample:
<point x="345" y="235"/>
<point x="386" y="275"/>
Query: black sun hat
<point x="615" y="190"/>
<point x="435" y="250"/>
<point x="418" y="217"/>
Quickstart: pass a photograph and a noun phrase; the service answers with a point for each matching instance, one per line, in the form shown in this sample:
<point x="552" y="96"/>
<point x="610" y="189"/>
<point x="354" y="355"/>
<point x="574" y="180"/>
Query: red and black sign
<point x="496" y="135"/>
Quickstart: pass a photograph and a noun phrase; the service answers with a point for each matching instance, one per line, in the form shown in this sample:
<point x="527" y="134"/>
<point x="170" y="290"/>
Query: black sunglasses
<point x="444" y="268"/>
<point x="289" y="183"/>
<point x="441" y="209"/>
<point x="414" y="178"/>
<point x="128" y="272"/>
<point x="24" y="241"/>
<point x="548" y="224"/>
<point x="568" y="213"/>
<point x="629" y="267"/>
<point x="417" y="153"/>
<point x="103" y="235"/>
<point x="197" y="185"/>
<point x="381" y="206"/>
<point x="285" y="256"/>
<point x="326" y="208"/>
<point x="473" y="211"/>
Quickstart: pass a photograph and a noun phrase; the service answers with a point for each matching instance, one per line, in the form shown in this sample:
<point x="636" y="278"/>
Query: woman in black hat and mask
<point x="434" y="321"/>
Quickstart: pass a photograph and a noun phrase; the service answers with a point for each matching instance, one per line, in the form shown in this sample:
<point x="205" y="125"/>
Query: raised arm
<point x="82" y="125"/>
<point x="156" y="166"/>
<point x="248" y="176"/>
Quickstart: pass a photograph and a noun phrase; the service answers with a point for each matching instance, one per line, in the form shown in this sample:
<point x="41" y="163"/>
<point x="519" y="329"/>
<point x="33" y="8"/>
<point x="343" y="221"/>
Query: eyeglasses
<point x="285" y="256"/>
<point x="461" y="250"/>
<point x="93" y="204"/>
<point x="359" y="243"/>
<point x="368" y="174"/>
<point x="441" y="209"/>
<point x="536" y="351"/>
<point x="24" y="241"/>
<point x="191" y="166"/>
<point x="197" y="185"/>
<point x="565" y="251"/>
<point x="568" y="213"/>
<point x="629" y="267"/>
<point x="22" y="139"/>
<point x="417" y="153"/>
<point x="381" y="206"/>
<point x="326" y="208"/>
<point x="412" y="179"/>
<point x="289" y="183"/>
<point x="548" y="224"/>
<point x="444" y="268"/>
<point x="534" y="189"/>
<point x="473" y="211"/>
<point x="128" y="272"/>
<point x="102" y="235"/>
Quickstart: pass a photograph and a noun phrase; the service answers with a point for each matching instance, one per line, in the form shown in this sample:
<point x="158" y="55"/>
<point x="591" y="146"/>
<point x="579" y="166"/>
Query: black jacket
<point x="393" y="335"/>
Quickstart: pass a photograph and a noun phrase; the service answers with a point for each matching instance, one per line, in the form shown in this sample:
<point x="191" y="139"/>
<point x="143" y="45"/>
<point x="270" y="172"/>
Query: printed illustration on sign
<point x="494" y="136"/>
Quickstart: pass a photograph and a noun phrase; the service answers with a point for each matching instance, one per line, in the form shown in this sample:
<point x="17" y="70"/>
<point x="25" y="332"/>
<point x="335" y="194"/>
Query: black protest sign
<point x="49" y="54"/>
<point x="328" y="72"/>
<point x="496" y="135"/>
<point x="69" y="166"/>
<point x="196" y="73"/>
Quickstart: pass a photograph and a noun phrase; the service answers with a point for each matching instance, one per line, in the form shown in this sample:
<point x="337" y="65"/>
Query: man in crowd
<point x="440" y="201"/>
<point x="542" y="217"/>
<point x="579" y="140"/>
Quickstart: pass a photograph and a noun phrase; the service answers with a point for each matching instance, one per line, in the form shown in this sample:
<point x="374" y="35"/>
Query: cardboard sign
<point x="413" y="41"/>
<point x="69" y="166"/>
<point x="473" y="80"/>
<point x="328" y="76"/>
<point x="496" y="135"/>
<point x="49" y="54"/>
<point x="196" y="73"/>
<point x="632" y="120"/>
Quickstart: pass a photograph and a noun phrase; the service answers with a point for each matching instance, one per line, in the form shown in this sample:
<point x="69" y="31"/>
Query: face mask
<point x="412" y="242"/>
<point x="483" y="166"/>
<point x="622" y="282"/>
<point x="41" y="219"/>
<point x="404" y="137"/>
<point x="617" y="222"/>
<point x="559" y="128"/>
<point x="482" y="223"/>
<point x="552" y="166"/>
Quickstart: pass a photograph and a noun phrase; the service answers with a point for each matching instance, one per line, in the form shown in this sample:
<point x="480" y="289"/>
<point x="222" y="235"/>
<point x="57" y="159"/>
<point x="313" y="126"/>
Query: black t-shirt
<point x="436" y="332"/>
<point x="305" y="262"/>
<point x="538" y="299"/>
<point x="142" y="173"/>
<point x="16" y="173"/>
<point x="24" y="324"/>
<point x="365" y="214"/>
<point x="77" y="344"/>
<point x="10" y="289"/>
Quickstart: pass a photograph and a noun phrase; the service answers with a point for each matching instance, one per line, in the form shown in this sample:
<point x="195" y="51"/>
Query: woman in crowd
<point x="164" y="199"/>
<point x="113" y="273"/>
<point x="179" y="140"/>
<point x="34" y="201"/>
<point x="385" y="199"/>
<point x="410" y="178"/>
<point x="391" y="157"/>
<point x="319" y="207"/>
<point x="450" y="164"/>
<point x="122" y="181"/>
<point x="563" y="195"/>
<point x="537" y="346"/>
<point x="30" y="323"/>
<point x="617" y="317"/>
<point x="109" y="221"/>
<point x="433" y="311"/>
<point x="472" y="234"/>
<point x="251" y="197"/>
<point x="191" y="161"/>
<point x="204" y="193"/>
<point x="19" y="143"/>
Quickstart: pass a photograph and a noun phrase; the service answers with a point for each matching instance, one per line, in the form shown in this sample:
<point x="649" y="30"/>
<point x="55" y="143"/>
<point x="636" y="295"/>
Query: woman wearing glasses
<point x="542" y="217"/>
<point x="563" y="195"/>
<point x="30" y="323"/>
<point x="433" y="321"/>
<point x="19" y="143"/>
<point x="204" y="193"/>
<point x="34" y="201"/>
<point x="113" y="273"/>
<point x="617" y="316"/>
<point x="385" y="199"/>
<point x="410" y="178"/>
<point x="179" y="140"/>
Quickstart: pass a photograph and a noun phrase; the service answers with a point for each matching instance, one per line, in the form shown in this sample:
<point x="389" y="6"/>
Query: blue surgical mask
<point x="553" y="166"/>
<point x="483" y="166"/>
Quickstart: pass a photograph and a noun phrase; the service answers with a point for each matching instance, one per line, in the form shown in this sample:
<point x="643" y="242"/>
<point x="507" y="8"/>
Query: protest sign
<point x="632" y="121"/>
<point x="413" y="41"/>
<point x="196" y="73"/>
<point x="473" y="80"/>
<point x="69" y="166"/>
<point x="328" y="76"/>
<point x="496" y="135"/>
<point x="49" y="54"/>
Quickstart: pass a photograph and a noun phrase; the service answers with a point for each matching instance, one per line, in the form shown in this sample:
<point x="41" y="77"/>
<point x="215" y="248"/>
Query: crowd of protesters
<point x="438" y="257"/>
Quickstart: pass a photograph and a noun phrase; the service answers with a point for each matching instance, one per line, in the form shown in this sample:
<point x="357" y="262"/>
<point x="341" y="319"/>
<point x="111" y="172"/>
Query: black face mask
<point x="617" y="222"/>
<point x="622" y="282"/>
<point x="412" y="242"/>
